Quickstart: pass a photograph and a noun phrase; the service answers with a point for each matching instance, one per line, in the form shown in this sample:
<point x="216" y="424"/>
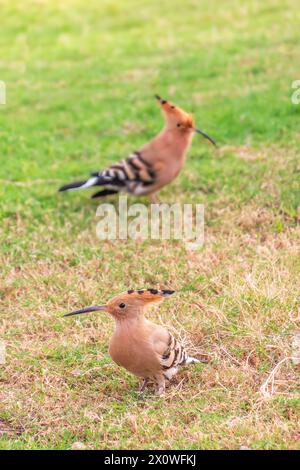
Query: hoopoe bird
<point x="154" y="165"/>
<point x="145" y="349"/>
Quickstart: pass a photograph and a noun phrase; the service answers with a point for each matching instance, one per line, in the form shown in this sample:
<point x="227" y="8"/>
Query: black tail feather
<point x="74" y="185"/>
<point x="105" y="192"/>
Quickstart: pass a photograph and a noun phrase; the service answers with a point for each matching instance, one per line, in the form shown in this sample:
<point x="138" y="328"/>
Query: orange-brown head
<point x="128" y="304"/>
<point x="178" y="120"/>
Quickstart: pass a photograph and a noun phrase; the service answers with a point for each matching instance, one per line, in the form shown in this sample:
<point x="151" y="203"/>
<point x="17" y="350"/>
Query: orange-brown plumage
<point x="155" y="164"/>
<point x="143" y="348"/>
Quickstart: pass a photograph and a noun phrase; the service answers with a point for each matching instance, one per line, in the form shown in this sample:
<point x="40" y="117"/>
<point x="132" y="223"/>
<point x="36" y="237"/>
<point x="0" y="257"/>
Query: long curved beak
<point x="204" y="135"/>
<point x="87" y="310"/>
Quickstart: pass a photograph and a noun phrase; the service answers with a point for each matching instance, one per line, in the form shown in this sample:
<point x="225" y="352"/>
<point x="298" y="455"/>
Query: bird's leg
<point x="161" y="385"/>
<point x="144" y="385"/>
<point x="153" y="198"/>
<point x="142" y="389"/>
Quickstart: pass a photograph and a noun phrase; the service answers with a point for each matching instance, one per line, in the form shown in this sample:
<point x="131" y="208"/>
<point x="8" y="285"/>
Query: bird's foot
<point x="141" y="396"/>
<point x="143" y="386"/>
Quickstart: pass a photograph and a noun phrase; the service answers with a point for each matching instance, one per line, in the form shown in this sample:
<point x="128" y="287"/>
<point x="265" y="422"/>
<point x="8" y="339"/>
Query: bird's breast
<point x="134" y="353"/>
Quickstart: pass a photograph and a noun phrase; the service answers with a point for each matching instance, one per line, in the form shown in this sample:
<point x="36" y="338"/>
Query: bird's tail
<point x="191" y="360"/>
<point x="93" y="181"/>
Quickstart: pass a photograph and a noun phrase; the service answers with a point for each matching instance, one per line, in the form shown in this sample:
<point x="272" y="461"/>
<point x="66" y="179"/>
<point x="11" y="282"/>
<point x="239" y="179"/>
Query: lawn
<point x="80" y="79"/>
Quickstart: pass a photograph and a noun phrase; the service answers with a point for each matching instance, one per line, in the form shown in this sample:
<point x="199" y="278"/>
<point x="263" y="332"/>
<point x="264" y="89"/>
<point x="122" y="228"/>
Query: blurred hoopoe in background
<point x="145" y="349"/>
<point x="154" y="165"/>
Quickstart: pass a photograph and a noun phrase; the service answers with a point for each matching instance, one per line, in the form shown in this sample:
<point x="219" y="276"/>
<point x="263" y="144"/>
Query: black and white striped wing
<point x="133" y="174"/>
<point x="174" y="356"/>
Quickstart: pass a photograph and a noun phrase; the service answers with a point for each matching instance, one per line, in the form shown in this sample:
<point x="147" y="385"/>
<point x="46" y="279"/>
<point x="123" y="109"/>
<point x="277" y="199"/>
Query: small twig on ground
<point x="264" y="389"/>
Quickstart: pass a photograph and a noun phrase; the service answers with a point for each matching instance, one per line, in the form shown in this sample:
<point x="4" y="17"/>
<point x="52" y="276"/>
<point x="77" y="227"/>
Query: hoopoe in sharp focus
<point x="154" y="165"/>
<point x="145" y="349"/>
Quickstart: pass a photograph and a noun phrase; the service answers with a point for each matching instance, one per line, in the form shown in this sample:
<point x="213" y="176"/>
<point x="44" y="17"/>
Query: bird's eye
<point x="178" y="124"/>
<point x="122" y="305"/>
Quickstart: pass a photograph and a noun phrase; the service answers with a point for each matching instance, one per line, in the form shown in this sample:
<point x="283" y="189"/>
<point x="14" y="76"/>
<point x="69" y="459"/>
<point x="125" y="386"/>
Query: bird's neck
<point x="178" y="141"/>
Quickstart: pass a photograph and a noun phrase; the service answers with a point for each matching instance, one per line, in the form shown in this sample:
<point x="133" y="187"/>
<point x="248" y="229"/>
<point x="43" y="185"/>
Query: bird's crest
<point x="148" y="295"/>
<point x="172" y="110"/>
<point x="136" y="298"/>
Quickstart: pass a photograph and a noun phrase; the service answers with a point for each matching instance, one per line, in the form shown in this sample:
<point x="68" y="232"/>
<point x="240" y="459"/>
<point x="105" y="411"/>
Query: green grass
<point x="80" y="82"/>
